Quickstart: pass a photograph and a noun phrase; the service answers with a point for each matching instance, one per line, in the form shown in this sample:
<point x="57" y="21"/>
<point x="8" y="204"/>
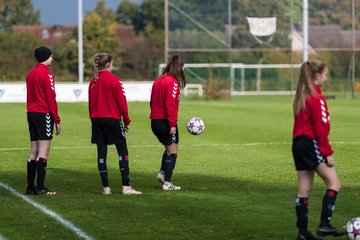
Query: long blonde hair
<point x="100" y="62"/>
<point x="305" y="88"/>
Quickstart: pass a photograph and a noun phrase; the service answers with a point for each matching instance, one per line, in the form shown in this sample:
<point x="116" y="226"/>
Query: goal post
<point x="237" y="79"/>
<point x="277" y="79"/>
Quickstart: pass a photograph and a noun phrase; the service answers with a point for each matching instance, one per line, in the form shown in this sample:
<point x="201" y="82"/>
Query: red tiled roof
<point x="331" y="36"/>
<point x="126" y="35"/>
<point x="48" y="35"/>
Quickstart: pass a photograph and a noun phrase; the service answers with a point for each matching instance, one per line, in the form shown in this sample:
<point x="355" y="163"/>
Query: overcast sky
<point x="64" y="12"/>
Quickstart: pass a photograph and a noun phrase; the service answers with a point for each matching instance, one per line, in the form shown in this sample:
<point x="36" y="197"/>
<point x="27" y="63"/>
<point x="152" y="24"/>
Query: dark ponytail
<point x="175" y="68"/>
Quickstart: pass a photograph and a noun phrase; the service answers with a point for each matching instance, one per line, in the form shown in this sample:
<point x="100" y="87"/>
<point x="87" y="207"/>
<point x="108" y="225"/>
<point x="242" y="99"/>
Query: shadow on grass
<point x="208" y="207"/>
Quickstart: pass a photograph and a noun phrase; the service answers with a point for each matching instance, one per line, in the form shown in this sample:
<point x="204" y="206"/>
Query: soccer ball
<point x="195" y="126"/>
<point x="353" y="229"/>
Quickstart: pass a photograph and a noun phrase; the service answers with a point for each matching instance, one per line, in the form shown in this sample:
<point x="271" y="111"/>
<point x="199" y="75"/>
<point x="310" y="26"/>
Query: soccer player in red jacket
<point x="311" y="149"/>
<point x="42" y="113"/>
<point x="107" y="107"/>
<point x="164" y="104"/>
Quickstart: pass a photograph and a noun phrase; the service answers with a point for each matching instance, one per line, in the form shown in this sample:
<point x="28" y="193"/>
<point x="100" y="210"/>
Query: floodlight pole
<point x="229" y="24"/>
<point x="166" y="30"/>
<point x="291" y="44"/>
<point x="80" y="42"/>
<point x="353" y="52"/>
<point x="232" y="74"/>
<point x="305" y="30"/>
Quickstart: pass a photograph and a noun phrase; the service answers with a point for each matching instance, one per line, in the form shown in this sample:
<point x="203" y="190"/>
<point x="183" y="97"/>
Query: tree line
<point x="139" y="62"/>
<point x="141" y="59"/>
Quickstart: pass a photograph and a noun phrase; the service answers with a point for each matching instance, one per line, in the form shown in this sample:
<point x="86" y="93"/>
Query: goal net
<point x="231" y="79"/>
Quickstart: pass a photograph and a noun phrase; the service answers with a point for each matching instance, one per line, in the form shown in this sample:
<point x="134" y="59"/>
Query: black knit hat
<point x="42" y="54"/>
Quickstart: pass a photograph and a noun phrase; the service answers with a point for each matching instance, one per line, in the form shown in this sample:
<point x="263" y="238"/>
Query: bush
<point x="217" y="89"/>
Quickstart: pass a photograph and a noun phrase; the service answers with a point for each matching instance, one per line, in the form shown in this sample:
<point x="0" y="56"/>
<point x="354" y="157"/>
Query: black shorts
<point x="41" y="126"/>
<point x="306" y="154"/>
<point x="161" y="129"/>
<point x="107" y="131"/>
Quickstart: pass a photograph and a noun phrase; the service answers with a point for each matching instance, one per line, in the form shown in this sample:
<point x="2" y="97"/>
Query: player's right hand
<point x="172" y="131"/>
<point x="58" y="128"/>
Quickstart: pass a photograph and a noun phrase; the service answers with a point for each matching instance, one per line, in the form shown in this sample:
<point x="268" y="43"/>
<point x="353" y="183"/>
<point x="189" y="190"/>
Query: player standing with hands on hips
<point x="164" y="104"/>
<point x="311" y="149"/>
<point x="42" y="113"/>
<point x="107" y="107"/>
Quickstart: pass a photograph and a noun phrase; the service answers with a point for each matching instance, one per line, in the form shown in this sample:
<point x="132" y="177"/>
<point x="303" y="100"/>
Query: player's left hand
<point x="127" y="128"/>
<point x="330" y="161"/>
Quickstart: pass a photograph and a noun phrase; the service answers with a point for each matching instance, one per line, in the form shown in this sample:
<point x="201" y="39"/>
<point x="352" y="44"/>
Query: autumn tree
<point x="142" y="58"/>
<point x="330" y="12"/>
<point x="107" y="15"/>
<point x="99" y="36"/>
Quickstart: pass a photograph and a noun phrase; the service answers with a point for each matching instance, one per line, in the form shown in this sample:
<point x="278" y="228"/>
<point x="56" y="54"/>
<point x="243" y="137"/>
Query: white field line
<point x="183" y="145"/>
<point x="2" y="237"/>
<point x="49" y="212"/>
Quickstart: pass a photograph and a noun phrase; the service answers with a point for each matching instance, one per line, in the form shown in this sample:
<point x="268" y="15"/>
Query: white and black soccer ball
<point x="353" y="229"/>
<point x="195" y="126"/>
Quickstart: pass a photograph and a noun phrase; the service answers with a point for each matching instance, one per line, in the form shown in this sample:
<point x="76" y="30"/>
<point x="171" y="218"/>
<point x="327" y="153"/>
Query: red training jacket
<point x="40" y="89"/>
<point x="314" y="122"/>
<point x="165" y="97"/>
<point x="107" y="98"/>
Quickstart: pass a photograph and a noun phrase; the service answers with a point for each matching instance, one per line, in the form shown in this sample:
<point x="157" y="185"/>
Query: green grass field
<point x="238" y="177"/>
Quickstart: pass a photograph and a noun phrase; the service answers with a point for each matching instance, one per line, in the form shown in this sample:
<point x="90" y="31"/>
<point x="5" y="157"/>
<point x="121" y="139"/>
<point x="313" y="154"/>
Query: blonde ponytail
<point x="96" y="66"/>
<point x="100" y="62"/>
<point x="305" y="87"/>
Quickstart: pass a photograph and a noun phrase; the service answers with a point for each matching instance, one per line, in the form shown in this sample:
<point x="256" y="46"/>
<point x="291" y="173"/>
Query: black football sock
<point x="31" y="173"/>
<point x="162" y="168"/>
<point x="328" y="206"/>
<point x="123" y="163"/>
<point x="174" y="162"/>
<point x="101" y="161"/>
<point x="169" y="166"/>
<point x="301" y="207"/>
<point x="41" y="164"/>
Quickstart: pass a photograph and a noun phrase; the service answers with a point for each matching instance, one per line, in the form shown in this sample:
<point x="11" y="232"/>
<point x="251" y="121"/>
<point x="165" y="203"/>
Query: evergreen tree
<point x="66" y="57"/>
<point x="17" y="56"/>
<point x="17" y="12"/>
<point x="128" y="13"/>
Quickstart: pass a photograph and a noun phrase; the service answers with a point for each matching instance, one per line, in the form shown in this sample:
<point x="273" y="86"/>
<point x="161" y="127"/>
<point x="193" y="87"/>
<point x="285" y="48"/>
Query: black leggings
<point x="123" y="163"/>
<point x="121" y="149"/>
